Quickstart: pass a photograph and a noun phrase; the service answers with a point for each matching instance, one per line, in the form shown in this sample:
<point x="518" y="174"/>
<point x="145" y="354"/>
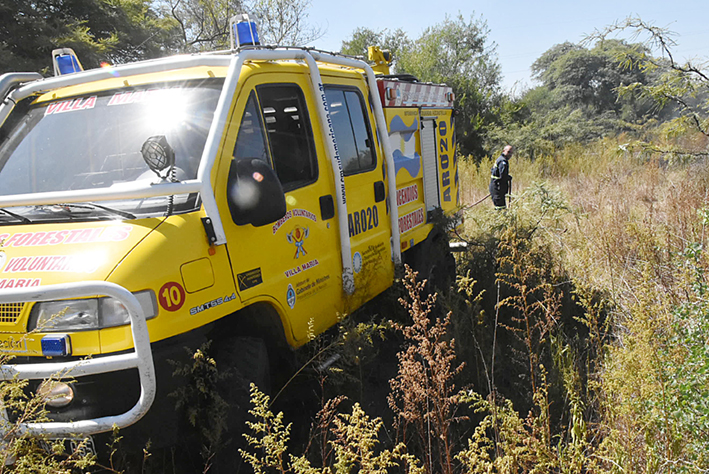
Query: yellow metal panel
<point x="197" y="275"/>
<point x="293" y="264"/>
<point x="369" y="225"/>
<point x="156" y="265"/>
<point x="447" y="159"/>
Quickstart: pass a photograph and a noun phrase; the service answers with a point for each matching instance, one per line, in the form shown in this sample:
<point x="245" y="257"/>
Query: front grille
<point x="9" y="312"/>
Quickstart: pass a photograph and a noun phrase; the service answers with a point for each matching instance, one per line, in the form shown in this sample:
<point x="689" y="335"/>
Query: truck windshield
<point x="95" y="141"/>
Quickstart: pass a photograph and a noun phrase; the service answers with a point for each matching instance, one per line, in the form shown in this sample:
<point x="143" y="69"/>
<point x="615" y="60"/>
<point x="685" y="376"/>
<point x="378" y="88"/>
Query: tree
<point x="577" y="99"/>
<point x="284" y="22"/>
<point x="455" y="52"/>
<point x="98" y="30"/>
<point x="395" y="41"/>
<point x="682" y="85"/>
<point x="458" y="53"/>
<point x="203" y="25"/>
<point x="591" y="77"/>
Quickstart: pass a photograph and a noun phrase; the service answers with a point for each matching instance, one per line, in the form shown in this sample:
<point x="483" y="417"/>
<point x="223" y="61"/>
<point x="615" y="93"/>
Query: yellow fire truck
<point x="247" y="197"/>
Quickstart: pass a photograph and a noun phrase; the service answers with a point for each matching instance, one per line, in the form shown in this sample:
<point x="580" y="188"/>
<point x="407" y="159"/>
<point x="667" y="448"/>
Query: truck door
<point x="368" y="219"/>
<point x="295" y="261"/>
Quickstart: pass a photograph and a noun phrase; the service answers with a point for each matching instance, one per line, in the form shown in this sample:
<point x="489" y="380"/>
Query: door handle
<point x="379" y="191"/>
<point x="327" y="207"/>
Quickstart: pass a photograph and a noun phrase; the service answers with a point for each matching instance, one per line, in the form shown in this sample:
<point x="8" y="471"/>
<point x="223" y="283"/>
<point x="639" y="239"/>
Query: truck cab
<point x="255" y="194"/>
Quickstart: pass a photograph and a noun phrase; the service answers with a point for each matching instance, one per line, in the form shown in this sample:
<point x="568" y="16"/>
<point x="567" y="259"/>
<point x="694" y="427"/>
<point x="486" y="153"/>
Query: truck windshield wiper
<point x="93" y="205"/>
<point x="117" y="212"/>
<point x="20" y="218"/>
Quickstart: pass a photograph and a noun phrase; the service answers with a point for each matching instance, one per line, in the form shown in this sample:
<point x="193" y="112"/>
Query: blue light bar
<point x="246" y="33"/>
<point x="65" y="61"/>
<point x="56" y="345"/>
<point x="67" y="64"/>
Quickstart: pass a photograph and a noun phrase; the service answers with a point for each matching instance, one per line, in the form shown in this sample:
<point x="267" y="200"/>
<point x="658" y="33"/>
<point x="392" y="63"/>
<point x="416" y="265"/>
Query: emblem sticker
<point x="249" y="279"/>
<point x="171" y="296"/>
<point x="357" y="262"/>
<point x="296" y="237"/>
<point x="290" y="296"/>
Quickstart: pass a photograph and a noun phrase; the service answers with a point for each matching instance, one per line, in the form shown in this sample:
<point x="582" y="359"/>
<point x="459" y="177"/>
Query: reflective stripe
<point x="494" y="177"/>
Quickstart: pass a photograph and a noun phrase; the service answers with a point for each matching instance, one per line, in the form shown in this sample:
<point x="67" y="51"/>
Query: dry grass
<point x="635" y="234"/>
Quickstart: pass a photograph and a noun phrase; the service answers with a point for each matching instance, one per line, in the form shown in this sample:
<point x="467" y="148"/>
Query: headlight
<point x="56" y="394"/>
<point x="89" y="313"/>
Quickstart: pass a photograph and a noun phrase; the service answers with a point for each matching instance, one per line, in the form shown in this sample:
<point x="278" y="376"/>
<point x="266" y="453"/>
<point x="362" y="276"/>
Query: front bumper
<point x="140" y="358"/>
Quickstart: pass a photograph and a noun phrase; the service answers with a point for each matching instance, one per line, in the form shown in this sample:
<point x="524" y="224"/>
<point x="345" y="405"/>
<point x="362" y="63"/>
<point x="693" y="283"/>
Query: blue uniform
<point x="500" y="181"/>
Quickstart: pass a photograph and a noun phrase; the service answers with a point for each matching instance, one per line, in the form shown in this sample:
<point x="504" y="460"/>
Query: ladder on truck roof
<point x="234" y="60"/>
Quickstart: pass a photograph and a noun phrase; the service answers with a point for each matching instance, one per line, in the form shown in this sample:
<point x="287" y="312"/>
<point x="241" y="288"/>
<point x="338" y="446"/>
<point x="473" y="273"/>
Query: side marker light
<point x="56" y="345"/>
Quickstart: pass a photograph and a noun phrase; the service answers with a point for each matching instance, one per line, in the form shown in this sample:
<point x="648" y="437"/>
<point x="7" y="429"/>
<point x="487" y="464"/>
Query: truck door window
<point x="251" y="142"/>
<point x="289" y="134"/>
<point x="352" y="131"/>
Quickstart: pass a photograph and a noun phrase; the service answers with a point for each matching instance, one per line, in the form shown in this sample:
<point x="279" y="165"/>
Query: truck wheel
<point x="246" y="359"/>
<point x="434" y="262"/>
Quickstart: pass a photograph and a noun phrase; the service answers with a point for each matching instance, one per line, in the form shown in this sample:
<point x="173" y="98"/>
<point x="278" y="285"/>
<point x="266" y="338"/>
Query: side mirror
<point x="254" y="193"/>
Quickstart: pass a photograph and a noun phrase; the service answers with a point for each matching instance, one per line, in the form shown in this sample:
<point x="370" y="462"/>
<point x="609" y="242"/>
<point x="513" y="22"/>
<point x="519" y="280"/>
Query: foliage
<point x="353" y="438"/>
<point x="683" y="86"/>
<point x="577" y="100"/>
<point x="457" y="52"/>
<point x="395" y="41"/>
<point x="423" y="393"/>
<point x="98" y="30"/>
<point x="634" y="374"/>
<point x="23" y="453"/>
<point x="119" y="31"/>
<point x="199" y="398"/>
<point x="534" y="302"/>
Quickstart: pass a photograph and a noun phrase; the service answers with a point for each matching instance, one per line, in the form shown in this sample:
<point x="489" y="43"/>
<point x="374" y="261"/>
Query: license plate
<point x="82" y="446"/>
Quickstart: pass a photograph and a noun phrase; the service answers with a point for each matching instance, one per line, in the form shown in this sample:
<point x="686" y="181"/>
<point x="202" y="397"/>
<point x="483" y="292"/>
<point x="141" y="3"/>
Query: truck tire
<point x="247" y="360"/>
<point x="434" y="263"/>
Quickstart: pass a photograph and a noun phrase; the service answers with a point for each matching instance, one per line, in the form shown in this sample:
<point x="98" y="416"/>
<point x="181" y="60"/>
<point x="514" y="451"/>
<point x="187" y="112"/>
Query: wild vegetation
<point x="574" y="341"/>
<point x="578" y="322"/>
<point x="574" y="338"/>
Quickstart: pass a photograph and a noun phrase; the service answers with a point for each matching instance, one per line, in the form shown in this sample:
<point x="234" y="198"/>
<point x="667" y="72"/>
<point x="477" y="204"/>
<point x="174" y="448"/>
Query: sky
<point x="521" y="29"/>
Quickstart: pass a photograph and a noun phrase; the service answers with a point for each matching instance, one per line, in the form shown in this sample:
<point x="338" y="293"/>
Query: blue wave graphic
<point x="410" y="164"/>
<point x="397" y="125"/>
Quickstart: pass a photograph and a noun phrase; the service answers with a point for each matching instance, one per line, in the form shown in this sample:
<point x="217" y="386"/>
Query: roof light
<point x="243" y="32"/>
<point x="65" y="61"/>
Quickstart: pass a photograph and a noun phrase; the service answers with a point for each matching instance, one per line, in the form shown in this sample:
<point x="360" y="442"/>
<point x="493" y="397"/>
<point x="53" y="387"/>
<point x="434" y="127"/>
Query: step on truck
<point x="248" y="197"/>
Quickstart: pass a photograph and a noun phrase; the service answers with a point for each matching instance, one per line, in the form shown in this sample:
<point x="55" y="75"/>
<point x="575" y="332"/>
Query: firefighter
<point x="500" y="179"/>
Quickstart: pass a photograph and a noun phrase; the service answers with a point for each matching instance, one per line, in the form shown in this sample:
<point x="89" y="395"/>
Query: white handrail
<point x="323" y="114"/>
<point x="141" y="358"/>
<point x="201" y="185"/>
<point x="214" y="139"/>
<point x="384" y="138"/>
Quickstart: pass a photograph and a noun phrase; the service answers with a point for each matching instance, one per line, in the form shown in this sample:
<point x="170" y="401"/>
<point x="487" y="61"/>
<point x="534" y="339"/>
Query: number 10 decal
<point x="171" y="296"/>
